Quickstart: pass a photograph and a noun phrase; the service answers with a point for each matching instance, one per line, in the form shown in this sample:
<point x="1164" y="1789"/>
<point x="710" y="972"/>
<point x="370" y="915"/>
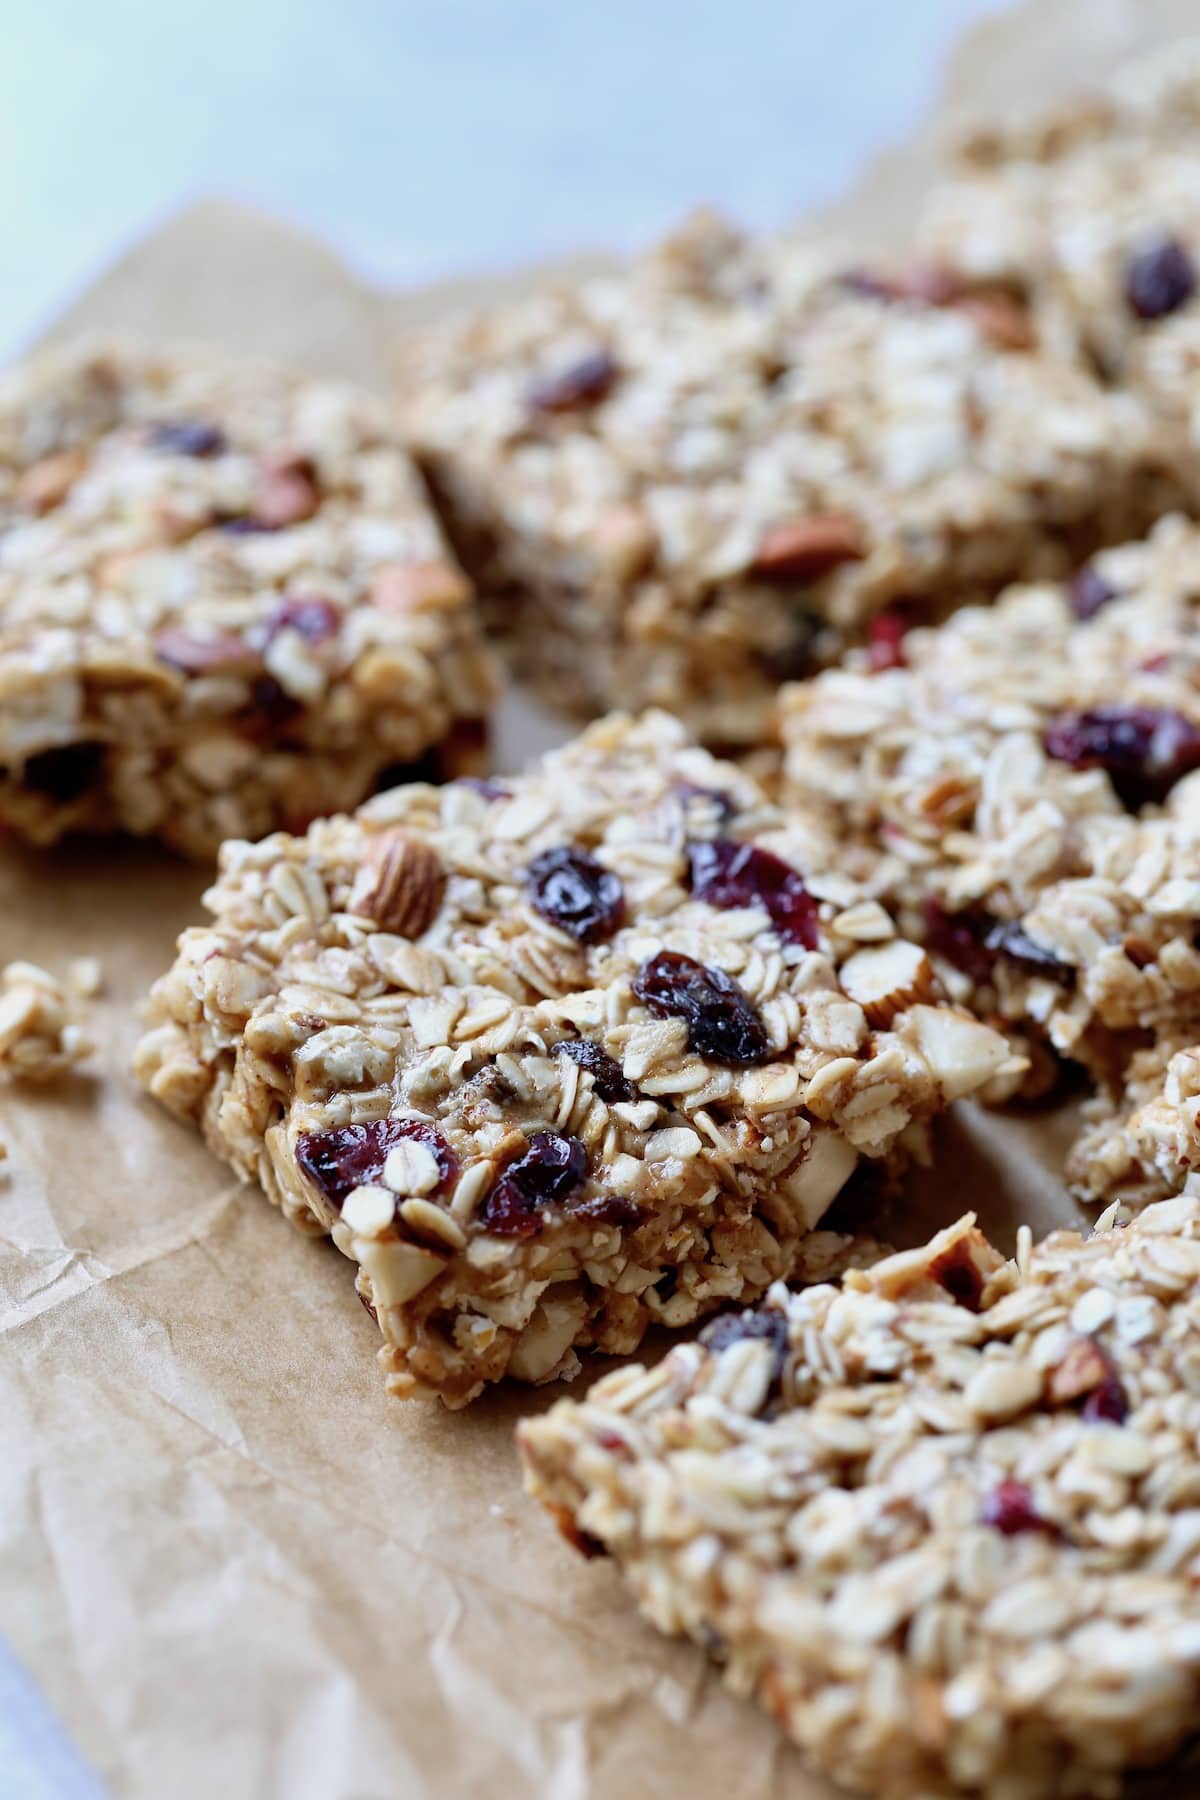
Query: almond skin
<point x="805" y="549"/>
<point x="400" y="884"/>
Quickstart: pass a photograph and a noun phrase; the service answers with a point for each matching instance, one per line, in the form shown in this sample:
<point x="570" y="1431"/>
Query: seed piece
<point x="728" y="874"/>
<point x="550" y="1169"/>
<point x="805" y="549"/>
<point x="583" y="383"/>
<point x="400" y="884"/>
<point x="722" y="1023"/>
<point x="575" y="892"/>
<point x="1159" y="278"/>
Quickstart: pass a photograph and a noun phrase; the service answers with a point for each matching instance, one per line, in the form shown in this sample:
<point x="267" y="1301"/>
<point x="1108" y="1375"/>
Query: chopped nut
<point x="400" y="884"/>
<point x="888" y="980"/>
<point x="46" y="484"/>
<point x="287" y="493"/>
<point x="806" y="549"/>
<point x="369" y="1211"/>
<point x="419" y="587"/>
<point x="1083" y="1368"/>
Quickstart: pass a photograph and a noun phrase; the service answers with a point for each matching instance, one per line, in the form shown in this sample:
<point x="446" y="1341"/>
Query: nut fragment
<point x="419" y="586"/>
<point x="400" y="884"/>
<point x="804" y="549"/>
<point x="888" y="979"/>
<point x="287" y="491"/>
<point x="1003" y="321"/>
<point x="46" y="483"/>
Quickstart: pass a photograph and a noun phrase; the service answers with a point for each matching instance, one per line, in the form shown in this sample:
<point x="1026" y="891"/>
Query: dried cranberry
<point x="353" y="1156"/>
<point x="188" y="437"/>
<point x="582" y="384"/>
<point x="767" y="1324"/>
<point x="722" y="1024"/>
<point x="576" y="893"/>
<point x="959" y="938"/>
<point x="1012" y="941"/>
<point x="314" y="619"/>
<point x="727" y="874"/>
<point x="551" y="1167"/>
<point x="885" y="640"/>
<point x="607" y="1209"/>
<point x="63" y="774"/>
<point x="1159" y="278"/>
<point x="1143" y="751"/>
<point x="241" y="524"/>
<point x="1010" y="1509"/>
<point x="608" y="1078"/>
<point x="725" y="805"/>
<point x="1108" y="1403"/>
<point x="1088" y="591"/>
<point x="487" y="790"/>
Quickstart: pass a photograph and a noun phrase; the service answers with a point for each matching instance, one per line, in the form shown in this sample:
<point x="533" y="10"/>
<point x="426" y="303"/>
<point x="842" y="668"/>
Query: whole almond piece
<point x="804" y="549"/>
<point x="400" y="884"/>
<point x="47" y="482"/>
<point x="887" y="979"/>
<point x="419" y="587"/>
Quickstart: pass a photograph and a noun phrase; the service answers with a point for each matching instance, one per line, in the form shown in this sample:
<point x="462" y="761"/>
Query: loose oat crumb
<point x="39" y="1036"/>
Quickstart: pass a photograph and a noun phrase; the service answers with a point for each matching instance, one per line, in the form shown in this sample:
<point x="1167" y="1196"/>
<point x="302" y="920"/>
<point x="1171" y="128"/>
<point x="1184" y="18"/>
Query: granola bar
<point x="558" y="1057"/>
<point x="677" y="486"/>
<point x="1022" y="787"/>
<point x="225" y="604"/>
<point x="1091" y="214"/>
<point x="940" y="1520"/>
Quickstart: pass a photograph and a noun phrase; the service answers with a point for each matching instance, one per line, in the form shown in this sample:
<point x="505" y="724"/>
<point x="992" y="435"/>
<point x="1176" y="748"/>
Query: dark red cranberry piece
<point x="728" y="874"/>
<point x="584" y="383"/>
<point x="766" y="1324"/>
<point x="353" y="1156"/>
<point x="241" y="524"/>
<point x="1009" y="1509"/>
<point x="1143" y="751"/>
<point x="1009" y="940"/>
<point x="1088" y="591"/>
<point x="1159" y="278"/>
<point x="722" y="1024"/>
<point x="607" y="1209"/>
<point x="550" y="1168"/>
<point x="1108" y="1403"/>
<point x="608" y="1078"/>
<point x="65" y="773"/>
<point x="885" y="640"/>
<point x="576" y="893"/>
<point x="314" y="619"/>
<point x="188" y="437"/>
<point x="959" y="937"/>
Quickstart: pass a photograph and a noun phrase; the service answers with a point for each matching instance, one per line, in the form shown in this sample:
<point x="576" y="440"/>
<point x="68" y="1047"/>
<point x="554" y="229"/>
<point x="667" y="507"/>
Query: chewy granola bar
<point x="556" y="1057"/>
<point x="677" y="486"/>
<point x="225" y="605"/>
<point x="1090" y="214"/>
<point x="943" y="1521"/>
<point x="1022" y="787"/>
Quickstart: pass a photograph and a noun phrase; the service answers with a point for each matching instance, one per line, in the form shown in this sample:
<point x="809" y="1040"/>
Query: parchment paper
<point x="233" y="1566"/>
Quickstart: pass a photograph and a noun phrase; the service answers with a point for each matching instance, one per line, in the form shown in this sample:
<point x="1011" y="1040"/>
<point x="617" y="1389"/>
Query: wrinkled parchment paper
<point x="233" y="1566"/>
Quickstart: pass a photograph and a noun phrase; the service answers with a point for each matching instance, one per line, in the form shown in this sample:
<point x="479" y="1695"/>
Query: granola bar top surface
<point x="710" y="482"/>
<point x="1021" y="785"/>
<point x="559" y="1056"/>
<point x="1091" y="212"/>
<point x="224" y="599"/>
<point x="941" y="1520"/>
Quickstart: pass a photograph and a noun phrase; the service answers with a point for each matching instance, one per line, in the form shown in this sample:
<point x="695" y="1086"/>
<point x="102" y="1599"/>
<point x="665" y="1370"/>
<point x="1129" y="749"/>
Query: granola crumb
<point x="40" y="1038"/>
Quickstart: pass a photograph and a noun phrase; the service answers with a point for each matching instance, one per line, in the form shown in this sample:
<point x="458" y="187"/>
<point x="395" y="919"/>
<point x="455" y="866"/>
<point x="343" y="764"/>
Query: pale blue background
<point x="422" y="138"/>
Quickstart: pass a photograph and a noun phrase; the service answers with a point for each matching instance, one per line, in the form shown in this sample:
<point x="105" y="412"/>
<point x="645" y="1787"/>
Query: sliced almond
<point x="398" y="1272"/>
<point x="400" y="884"/>
<point x="1082" y="1369"/>
<point x="804" y="549"/>
<point x="961" y="1054"/>
<point x="419" y="587"/>
<point x="887" y="979"/>
<point x="47" y="482"/>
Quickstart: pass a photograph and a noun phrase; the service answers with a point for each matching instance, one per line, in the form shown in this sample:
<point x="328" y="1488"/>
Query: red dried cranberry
<point x="551" y="1167"/>
<point x="1108" y="1403"/>
<point x="608" y="1078"/>
<point x="576" y="893"/>
<point x="766" y="1324"/>
<point x="958" y="937"/>
<point x="722" y="1024"/>
<point x="1012" y="941"/>
<point x="63" y="774"/>
<point x="1009" y="1509"/>
<point x="188" y="437"/>
<point x="1159" y="278"/>
<point x="582" y="384"/>
<point x="885" y="640"/>
<point x="728" y="874"/>
<point x="1088" y="591"/>
<point x="314" y="619"/>
<point x="1143" y="751"/>
<point x="353" y="1156"/>
<point x="607" y="1209"/>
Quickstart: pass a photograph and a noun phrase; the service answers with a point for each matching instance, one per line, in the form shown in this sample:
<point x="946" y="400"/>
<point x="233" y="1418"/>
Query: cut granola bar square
<point x="225" y="603"/>
<point x="677" y="486"/>
<point x="940" y="1520"/>
<point x="559" y="1056"/>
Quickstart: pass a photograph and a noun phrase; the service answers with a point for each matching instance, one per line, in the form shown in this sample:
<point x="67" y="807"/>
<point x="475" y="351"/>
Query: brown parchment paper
<point x="234" y="1568"/>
